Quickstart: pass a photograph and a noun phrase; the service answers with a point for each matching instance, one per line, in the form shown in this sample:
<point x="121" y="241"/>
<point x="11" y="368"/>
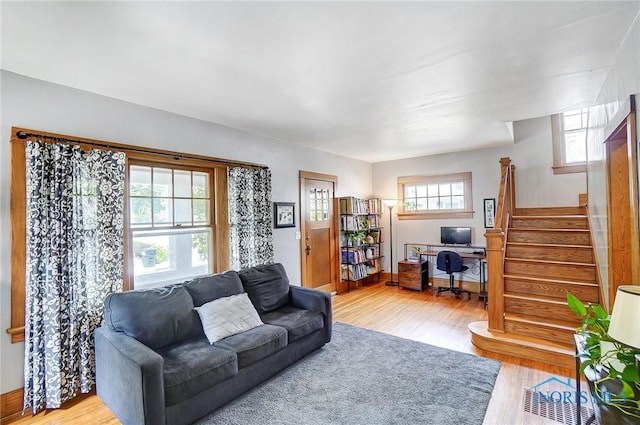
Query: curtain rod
<point x="23" y="135"/>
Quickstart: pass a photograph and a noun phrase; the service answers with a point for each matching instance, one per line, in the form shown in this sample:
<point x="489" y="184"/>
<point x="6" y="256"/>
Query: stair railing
<point x="497" y="244"/>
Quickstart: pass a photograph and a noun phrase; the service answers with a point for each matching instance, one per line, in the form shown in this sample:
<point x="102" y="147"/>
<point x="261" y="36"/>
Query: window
<point x="170" y="223"/>
<point x="319" y="204"/>
<point x="569" y="133"/>
<point x="443" y="196"/>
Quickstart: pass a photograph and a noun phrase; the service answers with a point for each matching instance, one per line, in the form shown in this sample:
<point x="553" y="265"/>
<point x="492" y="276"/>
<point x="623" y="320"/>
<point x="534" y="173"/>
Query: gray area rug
<point x="366" y="377"/>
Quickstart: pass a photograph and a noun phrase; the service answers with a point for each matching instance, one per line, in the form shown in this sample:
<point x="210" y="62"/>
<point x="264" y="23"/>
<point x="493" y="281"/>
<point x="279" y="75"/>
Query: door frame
<point x="304" y="209"/>
<point x="622" y="206"/>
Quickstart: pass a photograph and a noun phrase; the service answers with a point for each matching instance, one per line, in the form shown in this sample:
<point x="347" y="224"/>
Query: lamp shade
<point x="390" y="202"/>
<point x="625" y="318"/>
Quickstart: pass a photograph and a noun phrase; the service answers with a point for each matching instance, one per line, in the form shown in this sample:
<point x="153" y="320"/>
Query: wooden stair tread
<point x="558" y="281"/>
<point x="558" y="324"/>
<point x="539" y="229"/>
<point x="567" y="263"/>
<point x="537" y="298"/>
<point x="531" y="217"/>
<point x="521" y="346"/>
<point x="552" y="245"/>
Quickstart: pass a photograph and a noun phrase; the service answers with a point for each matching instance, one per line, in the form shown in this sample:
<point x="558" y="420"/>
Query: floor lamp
<point x="390" y="203"/>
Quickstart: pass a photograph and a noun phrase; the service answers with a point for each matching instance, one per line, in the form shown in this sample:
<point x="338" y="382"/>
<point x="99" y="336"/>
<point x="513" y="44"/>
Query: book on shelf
<point x="354" y="223"/>
<point x="359" y="255"/>
<point x="353" y="205"/>
<point x="375" y="234"/>
<point x="353" y="271"/>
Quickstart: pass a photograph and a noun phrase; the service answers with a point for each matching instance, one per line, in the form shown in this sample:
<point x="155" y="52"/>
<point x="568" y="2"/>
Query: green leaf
<point x="626" y="392"/>
<point x="599" y="312"/>
<point x="630" y="373"/>
<point x="576" y="305"/>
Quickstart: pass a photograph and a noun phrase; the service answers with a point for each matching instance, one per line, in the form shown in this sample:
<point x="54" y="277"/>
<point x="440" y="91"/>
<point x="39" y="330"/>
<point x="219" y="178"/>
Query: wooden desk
<point x="481" y="258"/>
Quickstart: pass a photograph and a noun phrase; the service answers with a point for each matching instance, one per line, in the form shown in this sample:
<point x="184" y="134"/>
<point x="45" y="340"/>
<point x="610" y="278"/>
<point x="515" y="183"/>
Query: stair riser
<point x="541" y="309"/>
<point x="553" y="253"/>
<point x="550" y="289"/>
<point x="570" y="272"/>
<point x="561" y="336"/>
<point x="549" y="237"/>
<point x="549" y="223"/>
<point x="550" y="211"/>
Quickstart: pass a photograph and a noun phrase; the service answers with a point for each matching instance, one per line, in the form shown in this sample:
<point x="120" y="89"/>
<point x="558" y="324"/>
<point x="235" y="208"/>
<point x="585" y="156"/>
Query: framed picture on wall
<point x="284" y="214"/>
<point x="489" y="212"/>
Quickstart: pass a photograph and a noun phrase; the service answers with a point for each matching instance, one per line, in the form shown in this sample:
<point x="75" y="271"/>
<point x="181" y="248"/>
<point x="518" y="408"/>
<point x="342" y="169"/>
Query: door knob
<point x="308" y="249"/>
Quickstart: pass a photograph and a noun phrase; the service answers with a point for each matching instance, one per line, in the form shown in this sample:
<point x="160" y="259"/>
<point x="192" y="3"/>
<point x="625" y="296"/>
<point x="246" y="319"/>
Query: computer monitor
<point x="455" y="235"/>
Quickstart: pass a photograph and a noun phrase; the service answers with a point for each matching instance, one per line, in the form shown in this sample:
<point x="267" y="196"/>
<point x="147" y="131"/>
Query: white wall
<point x="48" y="107"/>
<point x="536" y="185"/>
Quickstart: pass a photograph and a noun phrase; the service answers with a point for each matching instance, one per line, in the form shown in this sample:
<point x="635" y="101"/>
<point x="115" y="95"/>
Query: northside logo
<point x="547" y="392"/>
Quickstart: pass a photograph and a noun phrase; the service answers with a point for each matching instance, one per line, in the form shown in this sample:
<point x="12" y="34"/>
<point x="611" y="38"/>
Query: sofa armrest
<point x="314" y="300"/>
<point x="129" y="378"/>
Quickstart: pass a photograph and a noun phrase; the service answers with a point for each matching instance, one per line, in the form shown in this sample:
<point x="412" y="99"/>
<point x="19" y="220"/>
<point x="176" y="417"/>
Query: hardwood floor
<point x="419" y="316"/>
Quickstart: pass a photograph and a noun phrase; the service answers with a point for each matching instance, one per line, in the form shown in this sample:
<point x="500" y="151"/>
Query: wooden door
<point x="318" y="231"/>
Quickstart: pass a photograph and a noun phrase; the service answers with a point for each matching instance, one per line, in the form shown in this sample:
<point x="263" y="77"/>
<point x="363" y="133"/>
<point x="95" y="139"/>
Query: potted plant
<point x="609" y="366"/>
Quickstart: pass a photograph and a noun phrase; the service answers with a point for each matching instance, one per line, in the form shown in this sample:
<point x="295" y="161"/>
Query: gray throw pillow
<point x="267" y="286"/>
<point x="209" y="288"/>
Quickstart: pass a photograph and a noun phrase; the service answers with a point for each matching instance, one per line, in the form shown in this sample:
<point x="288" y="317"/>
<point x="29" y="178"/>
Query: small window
<point x="569" y="133"/>
<point x="442" y="196"/>
<point x="170" y="225"/>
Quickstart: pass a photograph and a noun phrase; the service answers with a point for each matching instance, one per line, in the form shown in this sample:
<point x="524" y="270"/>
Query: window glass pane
<point x="409" y="191"/>
<point x="140" y="211"/>
<point x="182" y="184"/>
<point x="168" y="256"/>
<point x="445" y="189"/>
<point x="572" y="122"/>
<point x="200" y="250"/>
<point x="162" y="182"/>
<point x="457" y="188"/>
<point x="575" y="147"/>
<point x="200" y="211"/>
<point x="200" y="185"/>
<point x="182" y="208"/>
<point x="162" y="211"/>
<point x="445" y="203"/>
<point x="139" y="181"/>
<point x="312" y="194"/>
<point x="457" y="202"/>
<point x="421" y="191"/>
<point x="433" y="204"/>
<point x="432" y="190"/>
<point x="421" y="203"/>
<point x="409" y="205"/>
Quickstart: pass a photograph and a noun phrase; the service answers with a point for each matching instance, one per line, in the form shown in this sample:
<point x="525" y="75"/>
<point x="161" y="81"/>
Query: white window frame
<point x="560" y="166"/>
<point x="466" y="212"/>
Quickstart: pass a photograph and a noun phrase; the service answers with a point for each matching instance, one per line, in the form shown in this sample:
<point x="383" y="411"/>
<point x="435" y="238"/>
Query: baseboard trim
<point x="11" y="405"/>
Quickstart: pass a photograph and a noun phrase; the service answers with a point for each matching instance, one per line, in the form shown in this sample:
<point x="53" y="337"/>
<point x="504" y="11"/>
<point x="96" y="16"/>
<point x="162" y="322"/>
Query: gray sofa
<point x="155" y="366"/>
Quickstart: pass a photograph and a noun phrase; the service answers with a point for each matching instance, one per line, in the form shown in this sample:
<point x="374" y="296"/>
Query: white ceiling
<point x="369" y="80"/>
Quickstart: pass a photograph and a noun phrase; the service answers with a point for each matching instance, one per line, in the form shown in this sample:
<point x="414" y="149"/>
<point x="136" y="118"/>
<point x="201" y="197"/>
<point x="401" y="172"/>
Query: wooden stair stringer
<point x="521" y="346"/>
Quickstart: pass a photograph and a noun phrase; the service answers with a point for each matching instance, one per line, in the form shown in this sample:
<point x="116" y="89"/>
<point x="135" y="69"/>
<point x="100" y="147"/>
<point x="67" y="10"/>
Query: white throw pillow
<point x="228" y="316"/>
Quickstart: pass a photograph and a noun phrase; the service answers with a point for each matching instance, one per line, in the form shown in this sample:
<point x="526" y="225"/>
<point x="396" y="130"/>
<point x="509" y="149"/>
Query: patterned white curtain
<point x="250" y="217"/>
<point x="75" y="225"/>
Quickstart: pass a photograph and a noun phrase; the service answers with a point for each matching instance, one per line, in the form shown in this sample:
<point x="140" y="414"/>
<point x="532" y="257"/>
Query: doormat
<point x="558" y="411"/>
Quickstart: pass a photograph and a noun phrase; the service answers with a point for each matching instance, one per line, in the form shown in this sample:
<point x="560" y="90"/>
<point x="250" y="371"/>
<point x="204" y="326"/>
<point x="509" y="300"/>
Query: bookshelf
<point x="360" y="239"/>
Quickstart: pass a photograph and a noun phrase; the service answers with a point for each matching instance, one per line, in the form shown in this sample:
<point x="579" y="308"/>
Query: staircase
<point x="547" y="252"/>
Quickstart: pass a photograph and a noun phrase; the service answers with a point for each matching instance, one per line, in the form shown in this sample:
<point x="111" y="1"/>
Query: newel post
<point x="495" y="282"/>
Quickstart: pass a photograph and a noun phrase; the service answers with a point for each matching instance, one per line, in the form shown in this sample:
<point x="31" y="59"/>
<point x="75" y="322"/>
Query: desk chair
<point x="451" y="262"/>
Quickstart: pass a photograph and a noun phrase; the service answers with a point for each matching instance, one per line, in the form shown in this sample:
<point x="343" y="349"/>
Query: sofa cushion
<point x="155" y="317"/>
<point x="267" y="286"/>
<point x="228" y="316"/>
<point x="296" y="321"/>
<point x="193" y="366"/>
<point x="255" y="344"/>
<point x="209" y="288"/>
